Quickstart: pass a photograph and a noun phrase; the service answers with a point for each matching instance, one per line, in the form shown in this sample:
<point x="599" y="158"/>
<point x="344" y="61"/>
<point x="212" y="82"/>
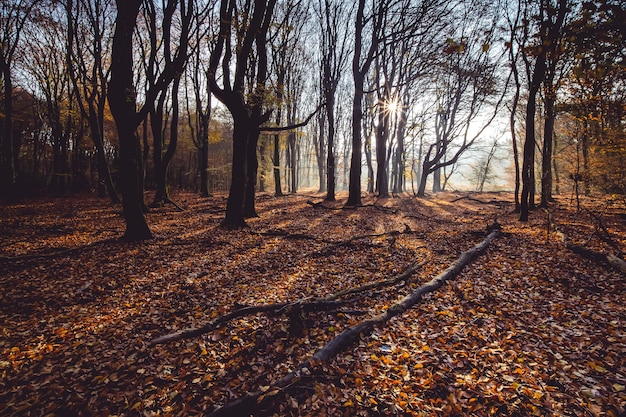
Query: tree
<point x="383" y="27"/>
<point x="175" y="26"/>
<point x="402" y="60"/>
<point x="333" y="18"/>
<point x="49" y="68"/>
<point x="287" y="60"/>
<point x="483" y="170"/>
<point x="513" y="27"/>
<point x="123" y="102"/>
<point x="595" y="93"/>
<point x="550" y="18"/>
<point x="466" y="81"/>
<point x="242" y="46"/>
<point x="89" y="24"/>
<point x="361" y="62"/>
<point x="14" y="15"/>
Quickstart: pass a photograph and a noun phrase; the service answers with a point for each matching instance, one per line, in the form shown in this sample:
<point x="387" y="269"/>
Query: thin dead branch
<point x="309" y="304"/>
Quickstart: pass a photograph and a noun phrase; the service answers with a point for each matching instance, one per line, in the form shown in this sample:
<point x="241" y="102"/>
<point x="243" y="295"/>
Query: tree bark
<point x="122" y="99"/>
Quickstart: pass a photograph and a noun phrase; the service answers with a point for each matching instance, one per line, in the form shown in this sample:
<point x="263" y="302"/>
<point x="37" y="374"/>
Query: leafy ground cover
<point x="529" y="328"/>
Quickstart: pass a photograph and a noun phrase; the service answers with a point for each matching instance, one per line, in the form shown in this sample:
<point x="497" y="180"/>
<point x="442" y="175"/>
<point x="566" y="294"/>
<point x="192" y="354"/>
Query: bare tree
<point x="48" y="66"/>
<point x="333" y="18"/>
<point x="122" y="96"/>
<point x="198" y="75"/>
<point x="378" y="27"/>
<point x="14" y="15"/>
<point x="89" y="28"/>
<point x="466" y="82"/>
<point x="286" y="61"/>
<point x="513" y="26"/>
<point x="241" y="49"/>
<point x="550" y="20"/>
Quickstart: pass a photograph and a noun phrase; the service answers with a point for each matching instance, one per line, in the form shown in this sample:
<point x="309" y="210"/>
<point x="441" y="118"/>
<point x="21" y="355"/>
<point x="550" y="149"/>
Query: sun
<point x="392" y="106"/>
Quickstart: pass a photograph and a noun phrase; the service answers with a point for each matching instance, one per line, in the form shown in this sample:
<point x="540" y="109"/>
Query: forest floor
<point x="528" y="328"/>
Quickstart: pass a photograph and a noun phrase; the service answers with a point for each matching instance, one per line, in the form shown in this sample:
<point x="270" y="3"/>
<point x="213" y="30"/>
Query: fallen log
<point x="243" y="405"/>
<point x="608" y="259"/>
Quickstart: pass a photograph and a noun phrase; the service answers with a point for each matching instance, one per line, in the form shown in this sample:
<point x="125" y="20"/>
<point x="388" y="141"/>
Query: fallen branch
<point x="305" y="305"/>
<point x="608" y="259"/>
<point x="243" y="405"/>
<point x="349" y="241"/>
<point x="378" y="284"/>
<point x="603" y="258"/>
<point x="314" y="305"/>
<point x="603" y="233"/>
<point x="476" y="200"/>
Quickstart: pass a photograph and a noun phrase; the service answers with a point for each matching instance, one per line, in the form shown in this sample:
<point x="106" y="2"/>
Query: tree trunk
<point x="253" y="167"/>
<point x="382" y="134"/>
<point x="330" y="155"/>
<point x="278" y="189"/>
<point x="549" y="35"/>
<point x="203" y="156"/>
<point x="235" y="205"/>
<point x="354" y="186"/>
<point x="157" y="119"/>
<point x="320" y="154"/>
<point x="528" y="179"/>
<point x="162" y="194"/>
<point x="8" y="177"/>
<point x="104" y="173"/>
<point x="555" y="169"/>
<point x="292" y="147"/>
<point x="546" y="161"/>
<point x="122" y="100"/>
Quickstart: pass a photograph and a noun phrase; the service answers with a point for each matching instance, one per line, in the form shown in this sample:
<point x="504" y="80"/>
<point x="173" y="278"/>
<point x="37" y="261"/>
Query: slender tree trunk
<point x="162" y="192"/>
<point x="330" y="156"/>
<point x="157" y="116"/>
<point x="203" y="155"/>
<point x="528" y="178"/>
<point x="8" y="176"/>
<point x="320" y="152"/>
<point x="253" y="167"/>
<point x="437" y="172"/>
<point x="555" y="169"/>
<point x="399" y="164"/>
<point x="104" y="173"/>
<point x="293" y="152"/>
<point x="586" y="171"/>
<point x="546" y="163"/>
<point x="382" y="134"/>
<point x="278" y="189"/>
<point x="354" y="186"/>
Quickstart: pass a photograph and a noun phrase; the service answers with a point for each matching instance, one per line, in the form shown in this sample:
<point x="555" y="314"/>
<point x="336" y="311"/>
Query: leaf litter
<point x="529" y="328"/>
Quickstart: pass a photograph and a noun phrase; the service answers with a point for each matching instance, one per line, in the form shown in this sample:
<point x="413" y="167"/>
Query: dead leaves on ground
<point x="527" y="329"/>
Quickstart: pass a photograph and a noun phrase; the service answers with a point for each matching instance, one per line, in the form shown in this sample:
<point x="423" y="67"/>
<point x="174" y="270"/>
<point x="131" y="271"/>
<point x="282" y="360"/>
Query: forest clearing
<point x="529" y="327"/>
